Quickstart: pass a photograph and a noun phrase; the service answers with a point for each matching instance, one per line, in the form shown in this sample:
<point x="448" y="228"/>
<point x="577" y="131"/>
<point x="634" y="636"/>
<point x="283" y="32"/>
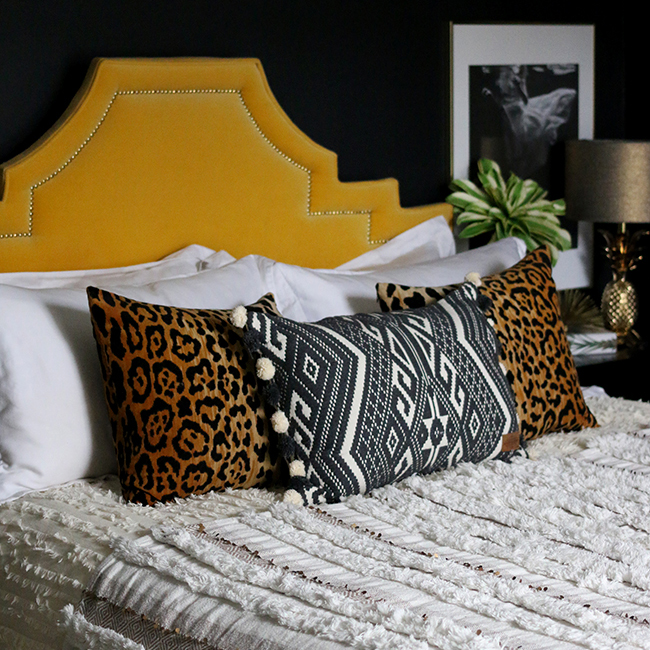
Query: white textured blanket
<point x="552" y="552"/>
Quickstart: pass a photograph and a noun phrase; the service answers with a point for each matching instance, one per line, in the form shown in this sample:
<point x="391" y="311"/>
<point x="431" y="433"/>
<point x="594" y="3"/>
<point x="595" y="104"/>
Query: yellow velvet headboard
<point x="156" y="154"/>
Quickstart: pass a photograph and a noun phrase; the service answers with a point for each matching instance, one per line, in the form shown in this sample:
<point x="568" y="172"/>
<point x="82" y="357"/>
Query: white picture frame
<point x="477" y="47"/>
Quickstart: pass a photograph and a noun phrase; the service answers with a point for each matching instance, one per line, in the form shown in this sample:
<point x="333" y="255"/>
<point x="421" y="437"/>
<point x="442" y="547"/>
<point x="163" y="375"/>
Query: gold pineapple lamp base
<point x="620" y="302"/>
<point x="620" y="309"/>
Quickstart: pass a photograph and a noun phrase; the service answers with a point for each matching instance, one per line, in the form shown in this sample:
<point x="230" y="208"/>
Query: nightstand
<point x="621" y="374"/>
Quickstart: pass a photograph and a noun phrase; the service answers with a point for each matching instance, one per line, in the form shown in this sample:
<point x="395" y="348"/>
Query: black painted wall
<point x="366" y="79"/>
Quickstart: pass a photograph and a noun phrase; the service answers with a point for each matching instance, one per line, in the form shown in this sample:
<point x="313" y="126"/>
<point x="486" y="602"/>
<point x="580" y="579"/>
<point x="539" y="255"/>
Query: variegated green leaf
<point x="560" y="239"/>
<point x="531" y="244"/>
<point x="555" y="254"/>
<point x="497" y="213"/>
<point x="492" y="180"/>
<point x="515" y="187"/>
<point x="476" y="229"/>
<point x="528" y="192"/>
<point x="537" y="192"/>
<point x="563" y="239"/>
<point x="491" y="167"/>
<point x="558" y="205"/>
<point x="551" y="233"/>
<point x="465" y="201"/>
<point x="493" y="189"/>
<point x="471" y="217"/>
<point x="543" y="217"/>
<point x="520" y="225"/>
<point x="539" y="208"/>
<point x="500" y="231"/>
<point x="461" y="185"/>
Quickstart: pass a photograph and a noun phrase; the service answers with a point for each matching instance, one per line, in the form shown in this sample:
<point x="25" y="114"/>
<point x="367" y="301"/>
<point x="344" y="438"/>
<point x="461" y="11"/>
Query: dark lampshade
<point x="608" y="181"/>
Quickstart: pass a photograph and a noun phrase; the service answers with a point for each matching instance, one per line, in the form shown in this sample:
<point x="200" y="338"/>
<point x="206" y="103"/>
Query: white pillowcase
<point x="425" y="242"/>
<point x="323" y="293"/>
<point x="430" y="240"/>
<point x="184" y="262"/>
<point x="54" y="425"/>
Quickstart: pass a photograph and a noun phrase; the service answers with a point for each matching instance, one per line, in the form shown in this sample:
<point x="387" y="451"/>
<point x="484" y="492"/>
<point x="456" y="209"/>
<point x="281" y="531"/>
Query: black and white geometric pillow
<point x="362" y="401"/>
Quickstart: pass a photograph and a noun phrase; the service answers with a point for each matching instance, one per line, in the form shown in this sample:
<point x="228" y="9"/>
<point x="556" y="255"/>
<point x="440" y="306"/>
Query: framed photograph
<point x="517" y="91"/>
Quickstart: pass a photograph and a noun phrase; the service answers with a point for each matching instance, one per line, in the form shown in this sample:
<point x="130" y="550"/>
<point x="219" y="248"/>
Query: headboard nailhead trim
<point x="30" y="223"/>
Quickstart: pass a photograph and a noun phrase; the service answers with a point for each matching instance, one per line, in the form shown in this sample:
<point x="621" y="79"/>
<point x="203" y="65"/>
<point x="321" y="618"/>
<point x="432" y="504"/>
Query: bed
<point x="444" y="483"/>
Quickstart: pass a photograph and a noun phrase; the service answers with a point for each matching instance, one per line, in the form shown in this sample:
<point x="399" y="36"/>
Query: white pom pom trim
<point x="279" y="422"/>
<point x="265" y="369"/>
<point x="291" y="496"/>
<point x="474" y="278"/>
<point x="239" y="316"/>
<point x="297" y="468"/>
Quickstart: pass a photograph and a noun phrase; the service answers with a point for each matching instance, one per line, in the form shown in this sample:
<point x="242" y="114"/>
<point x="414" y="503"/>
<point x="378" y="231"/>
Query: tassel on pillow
<point x="239" y="317"/>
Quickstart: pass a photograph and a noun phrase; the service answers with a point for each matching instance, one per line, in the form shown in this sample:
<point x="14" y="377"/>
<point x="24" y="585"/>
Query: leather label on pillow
<point x="510" y="442"/>
<point x="182" y="397"/>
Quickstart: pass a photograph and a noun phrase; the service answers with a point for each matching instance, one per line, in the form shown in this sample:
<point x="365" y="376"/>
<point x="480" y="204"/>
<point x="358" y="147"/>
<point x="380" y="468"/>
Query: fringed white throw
<point x="551" y="552"/>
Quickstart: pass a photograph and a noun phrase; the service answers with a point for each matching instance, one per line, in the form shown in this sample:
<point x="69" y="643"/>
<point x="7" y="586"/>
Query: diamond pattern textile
<point x="373" y="398"/>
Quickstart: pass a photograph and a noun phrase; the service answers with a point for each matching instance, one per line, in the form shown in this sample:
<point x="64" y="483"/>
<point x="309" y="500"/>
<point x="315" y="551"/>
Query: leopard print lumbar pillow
<point x="534" y="347"/>
<point x="182" y="397"/>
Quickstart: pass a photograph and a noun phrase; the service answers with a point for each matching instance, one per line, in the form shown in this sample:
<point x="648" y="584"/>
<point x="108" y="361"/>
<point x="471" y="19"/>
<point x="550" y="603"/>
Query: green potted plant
<point x="516" y="208"/>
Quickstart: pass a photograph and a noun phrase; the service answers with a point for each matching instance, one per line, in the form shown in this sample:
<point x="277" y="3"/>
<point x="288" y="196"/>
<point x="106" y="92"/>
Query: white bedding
<point x="54" y="426"/>
<point x="572" y="559"/>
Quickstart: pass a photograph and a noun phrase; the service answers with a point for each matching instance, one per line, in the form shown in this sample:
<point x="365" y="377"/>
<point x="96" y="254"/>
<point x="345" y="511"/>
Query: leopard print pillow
<point x="534" y="347"/>
<point x="182" y="397"/>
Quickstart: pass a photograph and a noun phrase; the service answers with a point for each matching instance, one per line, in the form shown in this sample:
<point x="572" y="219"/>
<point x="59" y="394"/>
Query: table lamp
<point x="608" y="181"/>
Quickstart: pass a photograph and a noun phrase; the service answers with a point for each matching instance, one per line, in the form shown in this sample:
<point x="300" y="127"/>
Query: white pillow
<point x="54" y="425"/>
<point x="184" y="262"/>
<point x="425" y="242"/>
<point x="428" y="241"/>
<point x="323" y="293"/>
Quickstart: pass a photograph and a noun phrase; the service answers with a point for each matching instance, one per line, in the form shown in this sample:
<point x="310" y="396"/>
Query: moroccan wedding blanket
<point x="547" y="552"/>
